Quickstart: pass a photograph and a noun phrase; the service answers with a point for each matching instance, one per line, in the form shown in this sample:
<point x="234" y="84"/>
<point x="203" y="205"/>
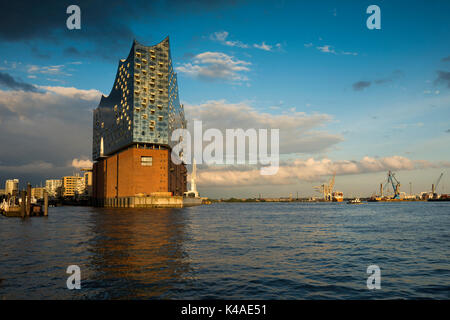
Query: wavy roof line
<point x="121" y="61"/>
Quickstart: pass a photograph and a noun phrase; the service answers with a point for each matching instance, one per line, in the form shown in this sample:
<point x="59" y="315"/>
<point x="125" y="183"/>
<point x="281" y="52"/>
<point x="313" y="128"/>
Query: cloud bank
<point x="41" y="133"/>
<point x="299" y="132"/>
<point x="310" y="170"/>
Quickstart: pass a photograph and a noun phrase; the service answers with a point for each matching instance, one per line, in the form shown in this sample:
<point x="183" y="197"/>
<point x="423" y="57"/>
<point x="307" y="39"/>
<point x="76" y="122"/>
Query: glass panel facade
<point x="143" y="106"/>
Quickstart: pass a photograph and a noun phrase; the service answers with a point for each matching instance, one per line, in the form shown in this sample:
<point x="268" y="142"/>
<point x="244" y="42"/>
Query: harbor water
<point x="230" y="251"/>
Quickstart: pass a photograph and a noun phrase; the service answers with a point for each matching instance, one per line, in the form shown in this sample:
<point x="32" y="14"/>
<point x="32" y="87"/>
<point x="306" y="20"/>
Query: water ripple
<point x="233" y="251"/>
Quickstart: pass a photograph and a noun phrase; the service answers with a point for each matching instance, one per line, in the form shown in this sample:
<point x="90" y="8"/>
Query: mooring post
<point x="45" y="203"/>
<point x="28" y="199"/>
<point x="22" y="204"/>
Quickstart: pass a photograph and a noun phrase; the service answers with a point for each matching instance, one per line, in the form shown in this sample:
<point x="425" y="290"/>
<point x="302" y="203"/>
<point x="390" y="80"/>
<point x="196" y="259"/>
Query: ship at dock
<point x="327" y="192"/>
<point x="385" y="194"/>
<point x="337" y="196"/>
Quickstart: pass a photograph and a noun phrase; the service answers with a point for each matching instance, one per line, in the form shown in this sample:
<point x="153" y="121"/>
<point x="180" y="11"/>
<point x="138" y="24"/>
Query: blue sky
<point x="378" y="93"/>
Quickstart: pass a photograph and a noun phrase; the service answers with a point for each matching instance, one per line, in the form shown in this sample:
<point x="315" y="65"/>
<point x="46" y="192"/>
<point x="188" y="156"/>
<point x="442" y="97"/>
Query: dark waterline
<point x="230" y="251"/>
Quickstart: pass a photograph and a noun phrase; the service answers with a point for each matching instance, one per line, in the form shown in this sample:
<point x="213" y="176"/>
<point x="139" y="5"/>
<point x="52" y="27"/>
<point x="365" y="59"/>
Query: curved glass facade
<point x="143" y="106"/>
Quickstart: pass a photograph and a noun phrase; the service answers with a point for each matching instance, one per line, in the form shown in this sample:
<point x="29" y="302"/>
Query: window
<point x="146" y="161"/>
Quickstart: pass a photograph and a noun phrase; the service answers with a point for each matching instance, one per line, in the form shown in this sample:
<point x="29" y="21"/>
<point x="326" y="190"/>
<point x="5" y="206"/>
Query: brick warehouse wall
<point x="122" y="175"/>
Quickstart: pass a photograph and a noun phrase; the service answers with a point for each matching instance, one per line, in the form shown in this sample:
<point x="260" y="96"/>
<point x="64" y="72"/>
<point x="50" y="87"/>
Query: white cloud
<point x="349" y="53"/>
<point x="304" y="170"/>
<point x="222" y="36"/>
<point x="299" y="132"/>
<point x="263" y="46"/>
<point x="43" y="130"/>
<point x="74" y="93"/>
<point x="51" y="70"/>
<point x="219" y="36"/>
<point x="330" y="49"/>
<point x="79" y="163"/>
<point x="216" y="65"/>
<point x="326" y="49"/>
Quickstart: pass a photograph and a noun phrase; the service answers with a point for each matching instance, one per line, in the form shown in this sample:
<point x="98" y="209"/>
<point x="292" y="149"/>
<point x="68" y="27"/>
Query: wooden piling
<point x="28" y="199"/>
<point x="45" y="203"/>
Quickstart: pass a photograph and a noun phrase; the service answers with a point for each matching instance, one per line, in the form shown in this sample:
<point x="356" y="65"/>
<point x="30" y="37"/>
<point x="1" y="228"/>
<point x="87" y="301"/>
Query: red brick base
<point x="123" y="175"/>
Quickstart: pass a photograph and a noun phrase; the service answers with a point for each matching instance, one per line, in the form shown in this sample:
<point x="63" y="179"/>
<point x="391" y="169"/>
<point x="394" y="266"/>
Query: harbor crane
<point x="327" y="189"/>
<point x="435" y="185"/>
<point x="395" y="184"/>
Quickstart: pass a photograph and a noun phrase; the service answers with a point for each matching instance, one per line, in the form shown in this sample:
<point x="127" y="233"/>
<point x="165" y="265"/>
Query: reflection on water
<point x="140" y="251"/>
<point x="235" y="251"/>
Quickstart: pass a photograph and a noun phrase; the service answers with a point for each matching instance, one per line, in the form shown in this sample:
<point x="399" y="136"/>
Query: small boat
<point x="354" y="201"/>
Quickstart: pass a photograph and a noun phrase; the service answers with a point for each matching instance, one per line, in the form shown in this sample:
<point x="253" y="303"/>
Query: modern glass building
<point x="132" y="128"/>
<point x="143" y="106"/>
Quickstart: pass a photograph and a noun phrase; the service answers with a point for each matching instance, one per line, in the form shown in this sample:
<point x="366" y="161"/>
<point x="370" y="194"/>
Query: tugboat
<point x="354" y="201"/>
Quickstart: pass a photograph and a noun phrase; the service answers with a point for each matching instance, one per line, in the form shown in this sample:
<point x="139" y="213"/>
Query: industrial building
<point x="132" y="130"/>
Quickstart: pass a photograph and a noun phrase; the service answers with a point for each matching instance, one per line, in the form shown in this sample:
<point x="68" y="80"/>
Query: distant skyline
<point x="347" y="99"/>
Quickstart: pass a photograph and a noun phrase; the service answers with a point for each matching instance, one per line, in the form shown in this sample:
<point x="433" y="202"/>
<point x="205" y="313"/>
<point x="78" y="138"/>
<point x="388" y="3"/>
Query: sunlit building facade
<point x="72" y="186"/>
<point x="12" y="187"/>
<point x="143" y="106"/>
<point x="134" y="124"/>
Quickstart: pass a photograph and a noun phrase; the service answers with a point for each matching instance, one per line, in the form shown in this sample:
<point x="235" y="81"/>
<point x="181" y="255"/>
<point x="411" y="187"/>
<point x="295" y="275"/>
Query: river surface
<point x="230" y="251"/>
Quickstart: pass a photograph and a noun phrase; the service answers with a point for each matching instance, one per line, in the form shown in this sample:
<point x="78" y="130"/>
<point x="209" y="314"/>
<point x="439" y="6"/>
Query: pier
<point x="24" y="207"/>
<point x="156" y="200"/>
